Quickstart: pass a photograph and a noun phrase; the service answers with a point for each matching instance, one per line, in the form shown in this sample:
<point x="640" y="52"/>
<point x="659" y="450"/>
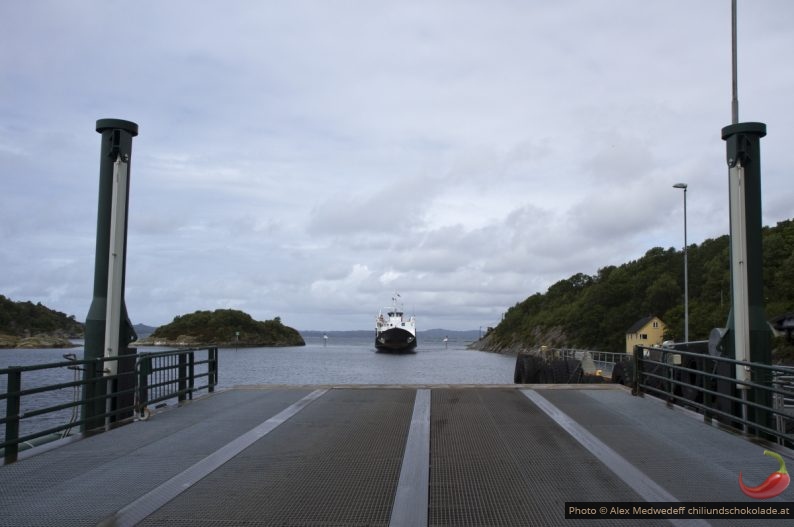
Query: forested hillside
<point x="25" y="319"/>
<point x="595" y="311"/>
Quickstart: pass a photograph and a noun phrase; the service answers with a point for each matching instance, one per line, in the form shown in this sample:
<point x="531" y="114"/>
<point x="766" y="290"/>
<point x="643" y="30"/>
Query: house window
<point x="656" y="324"/>
<point x="643" y="336"/>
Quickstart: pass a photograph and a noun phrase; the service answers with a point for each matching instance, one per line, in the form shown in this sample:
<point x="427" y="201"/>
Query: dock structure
<point x="385" y="455"/>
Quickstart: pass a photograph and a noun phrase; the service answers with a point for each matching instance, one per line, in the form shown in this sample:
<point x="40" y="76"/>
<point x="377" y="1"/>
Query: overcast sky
<point x="305" y="159"/>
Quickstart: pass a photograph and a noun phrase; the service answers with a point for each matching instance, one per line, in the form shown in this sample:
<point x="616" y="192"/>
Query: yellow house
<point x="648" y="331"/>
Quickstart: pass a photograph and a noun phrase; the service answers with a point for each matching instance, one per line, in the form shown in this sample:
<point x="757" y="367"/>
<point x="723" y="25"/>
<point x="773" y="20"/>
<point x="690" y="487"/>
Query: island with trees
<point x="29" y="325"/>
<point x="223" y="328"/>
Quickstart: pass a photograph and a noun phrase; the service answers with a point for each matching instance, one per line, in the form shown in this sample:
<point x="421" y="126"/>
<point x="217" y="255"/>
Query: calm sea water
<point x="337" y="361"/>
<point x="355" y="361"/>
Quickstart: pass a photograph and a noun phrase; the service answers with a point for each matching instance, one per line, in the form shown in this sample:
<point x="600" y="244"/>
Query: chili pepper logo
<point x="775" y="483"/>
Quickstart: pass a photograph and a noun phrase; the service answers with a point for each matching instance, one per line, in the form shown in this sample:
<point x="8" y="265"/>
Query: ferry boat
<point x="393" y="330"/>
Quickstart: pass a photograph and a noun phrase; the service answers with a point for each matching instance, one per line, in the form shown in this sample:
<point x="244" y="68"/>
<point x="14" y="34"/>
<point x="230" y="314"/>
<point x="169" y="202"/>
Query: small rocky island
<point x="225" y="328"/>
<point x="29" y="325"/>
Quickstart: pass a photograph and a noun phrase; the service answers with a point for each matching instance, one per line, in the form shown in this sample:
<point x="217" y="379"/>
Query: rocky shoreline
<point x="35" y="342"/>
<point x="193" y="342"/>
<point x="488" y="344"/>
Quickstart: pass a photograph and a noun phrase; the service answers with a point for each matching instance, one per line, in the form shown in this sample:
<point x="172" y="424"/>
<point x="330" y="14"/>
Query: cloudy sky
<point x="305" y="159"/>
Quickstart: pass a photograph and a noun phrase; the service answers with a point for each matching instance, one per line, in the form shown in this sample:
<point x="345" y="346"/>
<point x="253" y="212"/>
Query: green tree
<point x="595" y="311"/>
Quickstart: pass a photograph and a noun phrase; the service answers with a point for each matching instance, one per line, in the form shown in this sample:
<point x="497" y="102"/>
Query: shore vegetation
<point x="594" y="311"/>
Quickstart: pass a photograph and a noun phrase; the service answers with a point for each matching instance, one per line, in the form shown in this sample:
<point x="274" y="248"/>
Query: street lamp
<point x="686" y="281"/>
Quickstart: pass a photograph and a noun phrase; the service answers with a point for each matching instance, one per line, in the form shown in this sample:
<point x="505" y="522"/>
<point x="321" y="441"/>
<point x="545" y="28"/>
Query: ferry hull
<point x="395" y="340"/>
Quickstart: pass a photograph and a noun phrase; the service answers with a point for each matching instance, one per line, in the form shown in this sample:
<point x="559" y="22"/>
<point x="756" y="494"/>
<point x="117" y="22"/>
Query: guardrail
<point x="602" y="360"/>
<point x="597" y="356"/>
<point x="760" y="406"/>
<point x="156" y="377"/>
<point x="157" y="383"/>
<point x="565" y="365"/>
<point x="786" y="382"/>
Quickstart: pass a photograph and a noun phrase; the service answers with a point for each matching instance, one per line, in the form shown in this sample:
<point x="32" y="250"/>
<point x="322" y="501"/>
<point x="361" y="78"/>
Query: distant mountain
<point x="427" y="334"/>
<point x="337" y="334"/>
<point x="439" y="334"/>
<point x="142" y="330"/>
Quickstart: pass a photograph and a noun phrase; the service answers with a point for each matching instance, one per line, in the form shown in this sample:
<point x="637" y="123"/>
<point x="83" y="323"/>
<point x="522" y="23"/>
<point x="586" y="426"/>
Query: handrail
<point x="603" y="361"/>
<point x="157" y="376"/>
<point x="612" y="357"/>
<point x="706" y="383"/>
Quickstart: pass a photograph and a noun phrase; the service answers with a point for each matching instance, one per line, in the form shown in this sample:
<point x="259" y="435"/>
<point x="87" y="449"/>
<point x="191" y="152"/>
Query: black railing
<point x="757" y="404"/>
<point x="602" y="360"/>
<point x="165" y="375"/>
<point x="156" y="377"/>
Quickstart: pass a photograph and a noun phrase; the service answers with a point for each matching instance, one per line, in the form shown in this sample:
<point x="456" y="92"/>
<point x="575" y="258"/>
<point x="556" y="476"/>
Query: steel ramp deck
<point x="374" y="455"/>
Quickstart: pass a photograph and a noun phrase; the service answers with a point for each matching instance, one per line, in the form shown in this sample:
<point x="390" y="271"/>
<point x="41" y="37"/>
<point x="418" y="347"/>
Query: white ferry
<point x="393" y="330"/>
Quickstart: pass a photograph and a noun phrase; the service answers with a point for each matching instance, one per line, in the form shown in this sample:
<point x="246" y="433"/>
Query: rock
<point x="43" y="341"/>
<point x="7" y="341"/>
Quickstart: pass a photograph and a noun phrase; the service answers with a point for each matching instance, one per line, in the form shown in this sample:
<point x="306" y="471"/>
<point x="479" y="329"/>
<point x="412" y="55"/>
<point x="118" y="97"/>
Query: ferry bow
<point x="393" y="330"/>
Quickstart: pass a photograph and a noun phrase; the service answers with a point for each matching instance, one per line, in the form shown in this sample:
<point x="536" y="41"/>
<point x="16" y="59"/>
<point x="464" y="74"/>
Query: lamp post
<point x="686" y="280"/>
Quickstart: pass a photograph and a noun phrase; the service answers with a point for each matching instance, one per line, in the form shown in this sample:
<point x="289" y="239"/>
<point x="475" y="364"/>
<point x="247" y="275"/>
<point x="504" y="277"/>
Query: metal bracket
<point x="115" y="152"/>
<point x="738" y="149"/>
<point x="115" y="144"/>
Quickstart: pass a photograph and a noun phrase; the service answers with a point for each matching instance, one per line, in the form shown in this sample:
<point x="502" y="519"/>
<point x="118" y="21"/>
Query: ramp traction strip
<point x="139" y="509"/>
<point x="411" y="498"/>
<point x="631" y="475"/>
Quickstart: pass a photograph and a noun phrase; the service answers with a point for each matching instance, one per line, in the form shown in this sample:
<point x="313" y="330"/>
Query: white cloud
<point x="305" y="159"/>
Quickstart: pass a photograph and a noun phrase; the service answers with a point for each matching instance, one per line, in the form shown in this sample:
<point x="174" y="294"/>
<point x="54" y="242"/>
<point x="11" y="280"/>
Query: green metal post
<point x="212" y="356"/>
<point x="667" y="360"/>
<point x="12" y="413"/>
<point x="191" y="374"/>
<point x="144" y="369"/>
<point x="117" y="137"/>
<point x="182" y="380"/>
<point x="636" y="389"/>
<point x="749" y="336"/>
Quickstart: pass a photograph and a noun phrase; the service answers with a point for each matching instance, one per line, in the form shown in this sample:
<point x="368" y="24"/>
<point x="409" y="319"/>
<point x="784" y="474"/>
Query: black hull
<point x="395" y="340"/>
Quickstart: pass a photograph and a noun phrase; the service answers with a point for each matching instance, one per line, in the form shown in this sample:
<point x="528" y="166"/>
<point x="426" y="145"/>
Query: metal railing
<point x="154" y="378"/>
<point x="759" y="406"/>
<point x="565" y="365"/>
<point x="603" y="360"/>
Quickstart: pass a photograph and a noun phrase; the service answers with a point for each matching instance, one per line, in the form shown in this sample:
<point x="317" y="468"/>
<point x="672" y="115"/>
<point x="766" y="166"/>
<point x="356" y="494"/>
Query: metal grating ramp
<point x="497" y="456"/>
<point x="336" y="463"/>
<point x="692" y="460"/>
<point x="83" y="482"/>
<point x="497" y="460"/>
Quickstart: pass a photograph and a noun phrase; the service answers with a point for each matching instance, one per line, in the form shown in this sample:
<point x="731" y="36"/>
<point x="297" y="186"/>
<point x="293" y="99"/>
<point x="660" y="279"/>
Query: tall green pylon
<point x="116" y="151"/>
<point x="749" y="336"/>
